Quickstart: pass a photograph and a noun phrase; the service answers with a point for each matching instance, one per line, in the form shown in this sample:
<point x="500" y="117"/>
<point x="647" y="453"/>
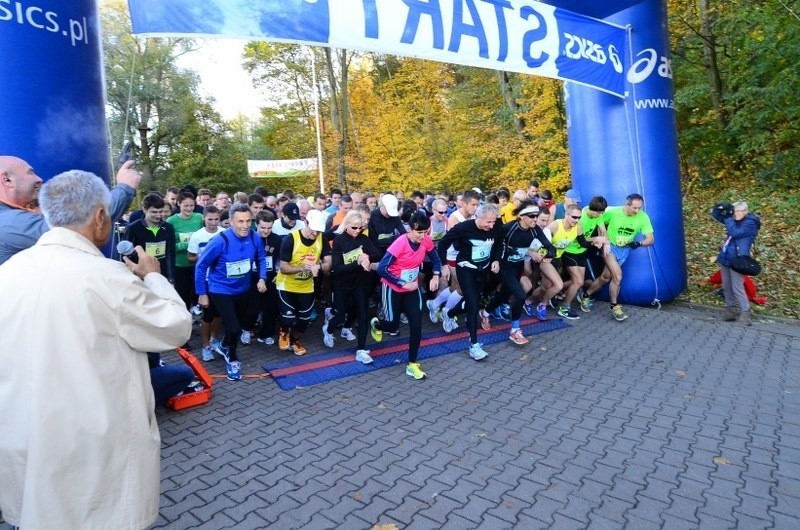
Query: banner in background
<point x="512" y="35"/>
<point x="299" y="167"/>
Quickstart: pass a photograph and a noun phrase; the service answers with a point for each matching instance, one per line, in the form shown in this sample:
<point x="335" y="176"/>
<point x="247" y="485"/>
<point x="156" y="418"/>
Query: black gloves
<point x="633" y="245"/>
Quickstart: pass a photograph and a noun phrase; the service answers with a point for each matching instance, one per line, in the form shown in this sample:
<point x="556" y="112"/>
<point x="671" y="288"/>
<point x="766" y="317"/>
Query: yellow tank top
<point x="563" y="237"/>
<point x="303" y="281"/>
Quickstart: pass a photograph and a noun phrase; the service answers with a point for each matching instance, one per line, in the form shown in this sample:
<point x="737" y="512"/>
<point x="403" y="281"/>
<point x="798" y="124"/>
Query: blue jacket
<point x="741" y="235"/>
<point x="230" y="262"/>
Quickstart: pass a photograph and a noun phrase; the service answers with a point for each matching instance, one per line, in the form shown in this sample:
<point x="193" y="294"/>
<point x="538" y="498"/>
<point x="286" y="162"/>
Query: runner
<point x="399" y="272"/>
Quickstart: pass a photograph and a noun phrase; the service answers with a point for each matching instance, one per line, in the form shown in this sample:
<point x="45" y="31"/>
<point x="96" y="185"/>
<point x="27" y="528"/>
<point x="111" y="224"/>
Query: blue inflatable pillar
<point x="52" y="91"/>
<point x="623" y="146"/>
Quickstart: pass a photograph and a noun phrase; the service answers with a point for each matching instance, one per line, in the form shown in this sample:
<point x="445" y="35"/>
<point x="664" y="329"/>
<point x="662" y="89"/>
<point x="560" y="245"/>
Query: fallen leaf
<point x="387" y="526"/>
<point x="721" y="460"/>
<point x="357" y="495"/>
<point x="680" y="373"/>
<point x="381" y="405"/>
<point x="481" y="435"/>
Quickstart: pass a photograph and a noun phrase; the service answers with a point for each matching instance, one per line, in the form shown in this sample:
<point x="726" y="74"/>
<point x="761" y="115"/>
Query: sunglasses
<point x="359" y="228"/>
<point x="441" y="212"/>
<point x="530" y="215"/>
<point x="575" y="216"/>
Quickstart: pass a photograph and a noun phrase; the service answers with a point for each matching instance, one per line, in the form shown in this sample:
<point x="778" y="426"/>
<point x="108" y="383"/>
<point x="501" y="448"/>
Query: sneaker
<point x="403" y="318"/>
<point x="283" y="340"/>
<point x="269" y="341"/>
<point x="618" y="313"/>
<point x="541" y="312"/>
<point x="196" y="310"/>
<point x="298" y="348"/>
<point x="328" y="315"/>
<point x="587" y="304"/>
<point x="505" y="310"/>
<point x="327" y="338"/>
<point x="363" y="357"/>
<point x="529" y="309"/>
<point x="484" y="317"/>
<point x="208" y="353"/>
<point x="245" y="337"/>
<point x="314" y="315"/>
<point x="568" y="313"/>
<point x="433" y="311"/>
<point x="215" y="343"/>
<point x="392" y="333"/>
<point x="498" y="314"/>
<point x="347" y="334"/>
<point x="517" y="337"/>
<point x="222" y="350"/>
<point x="377" y="335"/>
<point x="415" y="370"/>
<point x="234" y="370"/>
<point x="476" y="352"/>
<point x="448" y="324"/>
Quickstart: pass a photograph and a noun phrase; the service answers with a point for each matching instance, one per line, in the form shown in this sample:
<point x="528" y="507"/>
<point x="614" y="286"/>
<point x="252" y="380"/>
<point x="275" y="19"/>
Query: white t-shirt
<point x="200" y="239"/>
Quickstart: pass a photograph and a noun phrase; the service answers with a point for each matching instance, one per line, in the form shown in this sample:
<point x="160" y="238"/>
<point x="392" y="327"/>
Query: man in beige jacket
<point x="80" y="443"/>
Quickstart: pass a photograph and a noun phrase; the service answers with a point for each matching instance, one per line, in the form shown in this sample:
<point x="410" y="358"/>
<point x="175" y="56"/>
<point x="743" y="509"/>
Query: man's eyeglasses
<point x="530" y="215"/>
<point x="575" y="216"/>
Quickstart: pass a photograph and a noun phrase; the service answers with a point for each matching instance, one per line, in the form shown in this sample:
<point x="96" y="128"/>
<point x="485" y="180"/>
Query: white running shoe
<point x="347" y="334"/>
<point x="245" y="337"/>
<point x="477" y="352"/>
<point x="327" y="338"/>
<point x="363" y="357"/>
<point x="433" y="311"/>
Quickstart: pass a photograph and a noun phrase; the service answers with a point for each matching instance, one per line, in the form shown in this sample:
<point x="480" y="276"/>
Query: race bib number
<point x="562" y="244"/>
<point x="480" y="252"/>
<point x="269" y="263"/>
<point x="184" y="237"/>
<point x="409" y="275"/>
<point x="352" y="256"/>
<point x="517" y="254"/>
<point x="621" y="241"/>
<point x="156" y="249"/>
<point x="237" y="269"/>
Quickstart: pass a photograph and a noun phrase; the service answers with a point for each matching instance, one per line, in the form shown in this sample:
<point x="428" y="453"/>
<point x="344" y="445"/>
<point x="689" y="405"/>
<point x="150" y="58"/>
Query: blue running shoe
<point x="529" y="309"/>
<point x="541" y="312"/>
<point x="498" y="314"/>
<point x="234" y="370"/>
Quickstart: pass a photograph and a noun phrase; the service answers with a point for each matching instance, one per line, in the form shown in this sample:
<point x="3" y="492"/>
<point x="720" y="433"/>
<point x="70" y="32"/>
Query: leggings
<point x="350" y="305"/>
<point x="509" y="275"/>
<point x="410" y="303"/>
<point x="238" y="312"/>
<point x="472" y="282"/>
<point x="184" y="284"/>
<point x="268" y="302"/>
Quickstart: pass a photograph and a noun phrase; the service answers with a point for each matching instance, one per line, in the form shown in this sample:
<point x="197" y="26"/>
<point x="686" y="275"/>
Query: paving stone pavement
<point x="670" y="419"/>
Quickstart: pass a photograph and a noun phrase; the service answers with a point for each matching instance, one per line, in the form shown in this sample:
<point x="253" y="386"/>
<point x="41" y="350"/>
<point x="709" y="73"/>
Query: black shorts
<point x="595" y="264"/>
<point x="573" y="260"/>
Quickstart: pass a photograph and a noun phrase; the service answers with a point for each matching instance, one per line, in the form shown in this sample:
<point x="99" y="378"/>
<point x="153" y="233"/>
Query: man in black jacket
<point x="154" y="235"/>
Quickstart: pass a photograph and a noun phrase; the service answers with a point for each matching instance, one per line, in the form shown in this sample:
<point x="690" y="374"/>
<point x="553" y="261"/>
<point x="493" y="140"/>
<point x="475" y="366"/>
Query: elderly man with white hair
<point x="80" y="444"/>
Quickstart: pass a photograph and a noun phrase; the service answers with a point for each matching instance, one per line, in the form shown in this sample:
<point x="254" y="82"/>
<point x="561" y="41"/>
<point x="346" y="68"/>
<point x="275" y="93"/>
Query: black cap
<point x="291" y="211"/>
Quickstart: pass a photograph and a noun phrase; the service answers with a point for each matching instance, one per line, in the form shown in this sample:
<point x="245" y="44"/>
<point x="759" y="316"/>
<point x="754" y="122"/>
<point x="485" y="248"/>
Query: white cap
<point x="389" y="202"/>
<point x="478" y="190"/>
<point x="315" y="220"/>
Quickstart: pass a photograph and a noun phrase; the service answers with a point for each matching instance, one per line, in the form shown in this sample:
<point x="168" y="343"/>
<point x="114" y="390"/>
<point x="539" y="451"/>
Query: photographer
<point x="742" y="228"/>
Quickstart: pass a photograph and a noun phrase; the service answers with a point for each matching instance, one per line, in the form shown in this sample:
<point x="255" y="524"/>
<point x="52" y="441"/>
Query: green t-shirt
<point x="588" y="224"/>
<point x="622" y="229"/>
<point x="184" y="228"/>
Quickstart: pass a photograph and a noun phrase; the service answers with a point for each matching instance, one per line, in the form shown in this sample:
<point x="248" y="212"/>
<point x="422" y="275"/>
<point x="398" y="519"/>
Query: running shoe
<point x="587" y="304"/>
<point x="415" y="370"/>
<point x="328" y="315"/>
<point x="245" y="337"/>
<point x="208" y="353"/>
<point x="618" y="313"/>
<point x="283" y="340"/>
<point x="433" y="311"/>
<point x="448" y="324"/>
<point x="269" y="341"/>
<point x="517" y="337"/>
<point x="298" y="348"/>
<point x="215" y="343"/>
<point x="477" y="352"/>
<point x="403" y="318"/>
<point x="363" y="357"/>
<point x="347" y="334"/>
<point x="222" y="350"/>
<point x="327" y="338"/>
<point x="377" y="335"/>
<point x="568" y="313"/>
<point x="498" y="314"/>
<point x="541" y="312"/>
<point x="234" y="369"/>
<point x="529" y="309"/>
<point x="484" y="316"/>
<point x="505" y="310"/>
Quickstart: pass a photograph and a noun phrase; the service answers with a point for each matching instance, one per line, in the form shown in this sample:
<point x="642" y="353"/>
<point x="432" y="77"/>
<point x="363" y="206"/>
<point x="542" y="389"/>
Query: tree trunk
<point x="707" y="18"/>
<point x="339" y="109"/>
<point x="511" y="103"/>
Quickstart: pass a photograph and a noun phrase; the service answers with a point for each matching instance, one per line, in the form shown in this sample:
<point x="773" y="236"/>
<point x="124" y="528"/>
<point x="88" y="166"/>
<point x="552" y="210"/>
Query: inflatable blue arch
<point x="53" y="97"/>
